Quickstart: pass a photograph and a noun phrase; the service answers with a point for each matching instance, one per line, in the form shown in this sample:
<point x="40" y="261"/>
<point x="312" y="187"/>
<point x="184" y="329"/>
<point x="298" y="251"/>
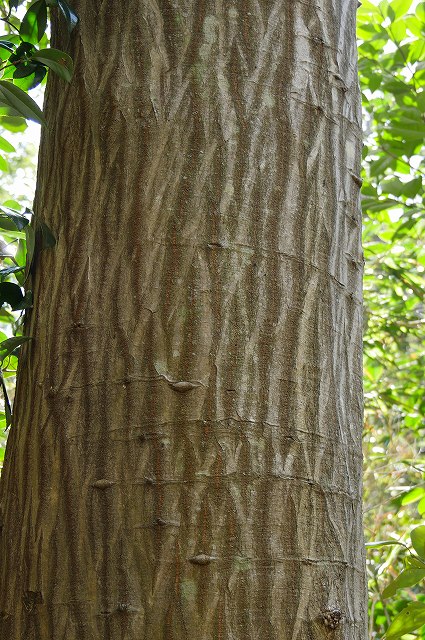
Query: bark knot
<point x="202" y="559"/>
<point x="332" y="617"/>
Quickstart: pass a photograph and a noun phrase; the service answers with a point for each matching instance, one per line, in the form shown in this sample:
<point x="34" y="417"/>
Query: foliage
<point x="25" y="59"/>
<point x="392" y="75"/>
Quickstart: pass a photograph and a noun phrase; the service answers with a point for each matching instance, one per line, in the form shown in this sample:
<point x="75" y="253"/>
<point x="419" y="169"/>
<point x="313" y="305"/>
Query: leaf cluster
<point x="392" y="75"/>
<point x="25" y="59"/>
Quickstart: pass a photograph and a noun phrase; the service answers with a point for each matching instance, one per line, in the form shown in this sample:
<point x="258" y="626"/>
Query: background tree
<point x="187" y="456"/>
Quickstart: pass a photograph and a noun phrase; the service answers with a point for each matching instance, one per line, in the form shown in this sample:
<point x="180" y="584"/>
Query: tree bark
<point x="185" y="460"/>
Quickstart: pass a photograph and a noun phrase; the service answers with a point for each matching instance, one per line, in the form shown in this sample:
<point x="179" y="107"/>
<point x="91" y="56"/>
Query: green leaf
<point x="411" y="618"/>
<point x="6" y="146"/>
<point x="34" y="22"/>
<point x="5" y="44"/>
<point x="416" y="27"/>
<point x="24" y="49"/>
<point x="398" y="31"/>
<point x="11" y="219"/>
<point x="24" y="69"/>
<point x="33" y="80"/>
<point x="400" y="7"/>
<point x="30" y="236"/>
<point x="69" y="14"/>
<point x="379" y="166"/>
<point x="7" y="347"/>
<point x="415" y="562"/>
<point x="413" y="496"/>
<point x="407" y="578"/>
<point x="7" y="407"/>
<point x="21" y="253"/>
<point x="417" y="537"/>
<point x="367" y="8"/>
<point x="12" y="123"/>
<point x="375" y="81"/>
<point x="10" y="293"/>
<point x="373" y="204"/>
<point x="60" y="62"/>
<point x="409" y="133"/>
<point x="9" y="270"/>
<point x="20" y="102"/>
<point x="26" y="302"/>
<point x="397" y="188"/>
<point x="420" y="11"/>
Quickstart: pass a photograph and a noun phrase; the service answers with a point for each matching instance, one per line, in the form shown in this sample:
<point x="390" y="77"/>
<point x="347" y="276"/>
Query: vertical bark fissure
<point x="186" y="454"/>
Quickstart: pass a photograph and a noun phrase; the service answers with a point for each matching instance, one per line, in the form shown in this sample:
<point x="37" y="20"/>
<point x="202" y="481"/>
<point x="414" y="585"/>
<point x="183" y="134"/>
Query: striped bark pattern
<point x="185" y="461"/>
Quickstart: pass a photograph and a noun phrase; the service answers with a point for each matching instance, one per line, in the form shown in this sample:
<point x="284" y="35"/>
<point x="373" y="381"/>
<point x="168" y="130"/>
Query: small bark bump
<point x="184" y="386"/>
<point x="202" y="559"/>
<point x="215" y="245"/>
<point x="356" y="179"/>
<point x="160" y="522"/>
<point x="102" y="484"/>
<point x="124" y="608"/>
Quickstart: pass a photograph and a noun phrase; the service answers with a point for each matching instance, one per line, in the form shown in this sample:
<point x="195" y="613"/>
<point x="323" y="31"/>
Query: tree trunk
<point x="185" y="460"/>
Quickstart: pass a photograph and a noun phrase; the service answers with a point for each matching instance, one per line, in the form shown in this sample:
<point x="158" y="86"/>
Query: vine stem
<point x="7" y="21"/>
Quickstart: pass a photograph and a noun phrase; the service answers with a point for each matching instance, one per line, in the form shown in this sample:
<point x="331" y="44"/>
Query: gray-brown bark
<point x="186" y="455"/>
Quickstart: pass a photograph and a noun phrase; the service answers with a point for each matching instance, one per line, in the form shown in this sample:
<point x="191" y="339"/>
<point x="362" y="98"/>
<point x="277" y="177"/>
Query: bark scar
<point x="182" y="386"/>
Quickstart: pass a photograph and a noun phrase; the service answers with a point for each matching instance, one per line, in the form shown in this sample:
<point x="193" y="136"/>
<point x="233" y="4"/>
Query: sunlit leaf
<point x="417" y="537"/>
<point x="413" y="496"/>
<point x="21" y="102"/>
<point x="400" y="7"/>
<point x="410" y="619"/>
<point x="420" y="11"/>
<point x="407" y="578"/>
<point x="34" y="22"/>
<point x="13" y="124"/>
<point x="7" y="347"/>
<point x="6" y="146"/>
